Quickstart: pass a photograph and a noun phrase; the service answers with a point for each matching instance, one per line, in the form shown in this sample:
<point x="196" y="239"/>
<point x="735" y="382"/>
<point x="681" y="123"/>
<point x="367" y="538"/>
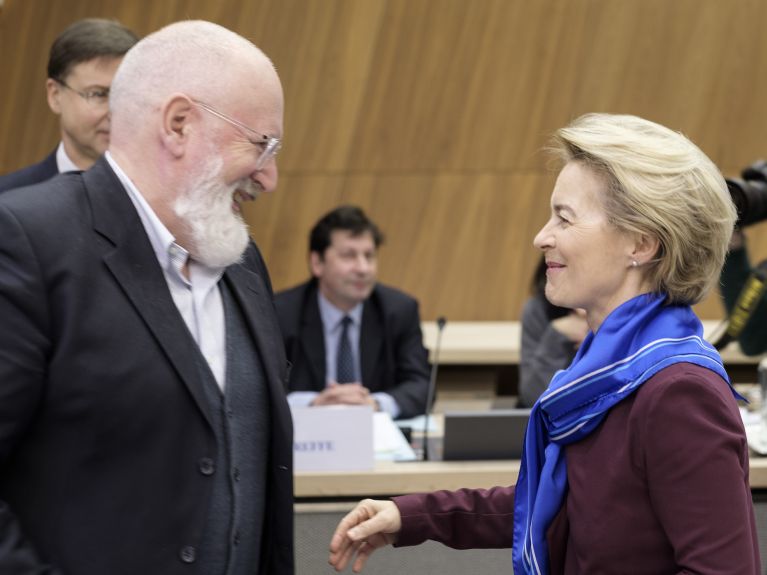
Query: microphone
<point x="441" y="321"/>
<point x="748" y="299"/>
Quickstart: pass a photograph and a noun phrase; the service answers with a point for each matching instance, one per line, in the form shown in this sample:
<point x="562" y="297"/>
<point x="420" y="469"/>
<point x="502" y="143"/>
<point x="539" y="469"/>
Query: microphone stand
<point x="748" y="299"/>
<point x="441" y="321"/>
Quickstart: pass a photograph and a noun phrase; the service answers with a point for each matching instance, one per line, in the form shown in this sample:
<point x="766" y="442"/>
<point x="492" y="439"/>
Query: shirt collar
<point x="162" y="241"/>
<point x="63" y="162"/>
<point x="332" y="316"/>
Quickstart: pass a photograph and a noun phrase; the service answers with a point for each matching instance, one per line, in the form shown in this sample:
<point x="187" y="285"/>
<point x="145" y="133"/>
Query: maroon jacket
<point x="660" y="487"/>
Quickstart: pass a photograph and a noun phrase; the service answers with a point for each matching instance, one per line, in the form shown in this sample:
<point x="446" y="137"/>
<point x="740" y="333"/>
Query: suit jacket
<point x="105" y="432"/>
<point x="33" y="174"/>
<point x="392" y="356"/>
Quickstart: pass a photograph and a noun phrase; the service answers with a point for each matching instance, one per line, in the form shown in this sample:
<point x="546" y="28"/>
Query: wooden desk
<point x="390" y="478"/>
<point x="398" y="478"/>
<point x="498" y="342"/>
<point x="475" y="342"/>
<point x="395" y="478"/>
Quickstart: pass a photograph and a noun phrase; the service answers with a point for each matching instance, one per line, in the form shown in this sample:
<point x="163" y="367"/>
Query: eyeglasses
<point x="94" y="96"/>
<point x="269" y="146"/>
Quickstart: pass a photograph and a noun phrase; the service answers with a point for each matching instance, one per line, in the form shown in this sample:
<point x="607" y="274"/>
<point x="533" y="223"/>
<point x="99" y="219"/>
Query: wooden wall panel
<point x="431" y="114"/>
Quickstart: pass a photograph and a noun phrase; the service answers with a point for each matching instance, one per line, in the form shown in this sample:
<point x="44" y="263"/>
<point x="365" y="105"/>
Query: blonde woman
<point x="635" y="457"/>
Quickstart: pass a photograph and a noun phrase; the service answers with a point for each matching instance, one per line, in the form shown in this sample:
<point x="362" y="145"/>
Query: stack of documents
<point x="388" y="442"/>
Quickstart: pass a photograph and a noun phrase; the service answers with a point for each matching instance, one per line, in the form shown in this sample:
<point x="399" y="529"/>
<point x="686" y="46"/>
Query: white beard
<point x="218" y="236"/>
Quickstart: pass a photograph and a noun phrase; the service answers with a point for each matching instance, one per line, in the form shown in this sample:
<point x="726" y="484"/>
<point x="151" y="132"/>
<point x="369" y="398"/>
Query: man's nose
<point x="267" y="176"/>
<point x="362" y="263"/>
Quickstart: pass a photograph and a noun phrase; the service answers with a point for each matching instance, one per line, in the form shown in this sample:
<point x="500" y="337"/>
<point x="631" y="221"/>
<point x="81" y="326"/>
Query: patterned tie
<point x="344" y="359"/>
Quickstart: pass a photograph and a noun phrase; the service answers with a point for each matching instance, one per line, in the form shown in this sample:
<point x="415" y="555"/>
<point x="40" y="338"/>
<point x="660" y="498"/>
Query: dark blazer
<point x="33" y="174"/>
<point x="104" y="428"/>
<point x="392" y="356"/>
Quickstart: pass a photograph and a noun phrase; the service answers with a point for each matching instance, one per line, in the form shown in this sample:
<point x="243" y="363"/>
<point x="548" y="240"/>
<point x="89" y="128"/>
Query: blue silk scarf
<point x="638" y="339"/>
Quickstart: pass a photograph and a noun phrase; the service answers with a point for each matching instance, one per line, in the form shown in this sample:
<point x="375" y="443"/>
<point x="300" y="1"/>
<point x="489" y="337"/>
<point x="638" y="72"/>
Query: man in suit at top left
<point x="81" y="64"/>
<point x="143" y="422"/>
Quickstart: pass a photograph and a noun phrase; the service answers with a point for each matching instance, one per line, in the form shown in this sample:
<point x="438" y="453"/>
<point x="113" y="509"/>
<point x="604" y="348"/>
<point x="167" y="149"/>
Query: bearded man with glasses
<point x="82" y="62"/>
<point x="143" y="421"/>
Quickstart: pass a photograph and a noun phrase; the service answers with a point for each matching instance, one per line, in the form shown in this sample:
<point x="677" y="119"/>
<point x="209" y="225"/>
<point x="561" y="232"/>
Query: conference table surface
<point x="498" y="343"/>
<point x="396" y="478"/>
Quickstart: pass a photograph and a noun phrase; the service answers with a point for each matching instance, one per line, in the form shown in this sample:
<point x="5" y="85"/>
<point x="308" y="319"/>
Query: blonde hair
<point x="661" y="185"/>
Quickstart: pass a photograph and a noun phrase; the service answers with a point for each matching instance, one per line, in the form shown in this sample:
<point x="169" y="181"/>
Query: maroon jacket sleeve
<point x="696" y="462"/>
<point x="463" y="519"/>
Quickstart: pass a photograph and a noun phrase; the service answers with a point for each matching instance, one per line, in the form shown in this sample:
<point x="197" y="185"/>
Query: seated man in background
<point x="350" y="339"/>
<point x="82" y="62"/>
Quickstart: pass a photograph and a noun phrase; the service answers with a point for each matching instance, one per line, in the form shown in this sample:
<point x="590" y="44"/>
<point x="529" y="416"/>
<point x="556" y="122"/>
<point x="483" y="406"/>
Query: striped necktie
<point x="344" y="357"/>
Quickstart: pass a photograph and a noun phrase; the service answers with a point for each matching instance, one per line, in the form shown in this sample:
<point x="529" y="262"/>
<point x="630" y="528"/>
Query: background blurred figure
<point x="143" y="420"/>
<point x="735" y="273"/>
<point x="82" y="62"/>
<point x="350" y="339"/>
<point x="635" y="456"/>
<point x="550" y="337"/>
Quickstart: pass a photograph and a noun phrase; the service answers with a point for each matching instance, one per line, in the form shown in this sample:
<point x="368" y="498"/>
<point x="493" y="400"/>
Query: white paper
<point x="416" y="423"/>
<point x="390" y="444"/>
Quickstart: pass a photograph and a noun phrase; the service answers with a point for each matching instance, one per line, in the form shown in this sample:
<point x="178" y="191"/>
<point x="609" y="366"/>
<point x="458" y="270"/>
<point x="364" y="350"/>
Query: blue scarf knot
<point x="638" y="339"/>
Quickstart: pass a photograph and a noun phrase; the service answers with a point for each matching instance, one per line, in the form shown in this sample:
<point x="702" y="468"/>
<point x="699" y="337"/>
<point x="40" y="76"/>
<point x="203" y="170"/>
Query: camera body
<point x="749" y="194"/>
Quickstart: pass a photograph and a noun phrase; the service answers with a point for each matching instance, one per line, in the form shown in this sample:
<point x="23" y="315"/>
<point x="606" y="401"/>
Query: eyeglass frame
<point x="271" y="144"/>
<point x="92" y="97"/>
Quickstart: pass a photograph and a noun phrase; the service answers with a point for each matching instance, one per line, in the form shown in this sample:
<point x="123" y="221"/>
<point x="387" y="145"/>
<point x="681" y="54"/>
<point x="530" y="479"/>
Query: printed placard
<point x="333" y="438"/>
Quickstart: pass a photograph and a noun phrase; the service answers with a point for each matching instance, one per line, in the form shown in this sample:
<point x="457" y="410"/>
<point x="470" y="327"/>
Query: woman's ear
<point x="178" y="116"/>
<point x="645" y="249"/>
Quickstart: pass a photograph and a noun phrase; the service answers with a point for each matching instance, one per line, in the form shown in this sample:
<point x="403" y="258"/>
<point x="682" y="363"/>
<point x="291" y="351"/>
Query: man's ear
<point x="645" y="248"/>
<point x="178" y="116"/>
<point x="53" y="92"/>
<point x="316" y="264"/>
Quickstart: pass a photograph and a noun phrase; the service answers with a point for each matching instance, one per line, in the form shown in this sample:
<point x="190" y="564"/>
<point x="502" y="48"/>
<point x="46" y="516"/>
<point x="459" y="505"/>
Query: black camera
<point x="750" y="194"/>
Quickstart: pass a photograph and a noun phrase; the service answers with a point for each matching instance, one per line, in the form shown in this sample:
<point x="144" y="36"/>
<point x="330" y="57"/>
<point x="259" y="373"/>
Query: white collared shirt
<point x="63" y="162"/>
<point x="198" y="298"/>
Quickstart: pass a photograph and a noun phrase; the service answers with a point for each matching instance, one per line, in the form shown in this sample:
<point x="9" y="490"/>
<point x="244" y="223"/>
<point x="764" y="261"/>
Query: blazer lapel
<point x="129" y="256"/>
<point x="312" y="337"/>
<point x="371" y="343"/>
<point x="252" y="295"/>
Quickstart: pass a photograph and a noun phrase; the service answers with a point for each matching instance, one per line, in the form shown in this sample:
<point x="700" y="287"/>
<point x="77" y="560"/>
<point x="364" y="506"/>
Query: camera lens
<point x="738" y="195"/>
<point x="749" y="194"/>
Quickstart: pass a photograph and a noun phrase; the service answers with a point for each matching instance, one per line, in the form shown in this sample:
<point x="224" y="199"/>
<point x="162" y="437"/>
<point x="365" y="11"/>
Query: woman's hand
<point x="369" y="526"/>
<point x="573" y="326"/>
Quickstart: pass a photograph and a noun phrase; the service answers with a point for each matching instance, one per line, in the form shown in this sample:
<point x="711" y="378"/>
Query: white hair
<point x="200" y="59"/>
